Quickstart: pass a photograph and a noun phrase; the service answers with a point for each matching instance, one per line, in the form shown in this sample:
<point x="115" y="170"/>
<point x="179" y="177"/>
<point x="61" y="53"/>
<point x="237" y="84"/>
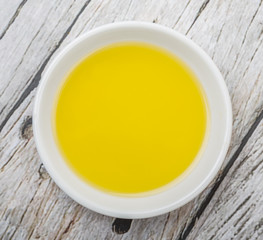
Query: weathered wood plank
<point x="242" y="74"/>
<point x="29" y="41"/>
<point x="8" y="14"/>
<point x="31" y="205"/>
<point x="240" y="90"/>
<point x="232" y="36"/>
<point x="237" y="211"/>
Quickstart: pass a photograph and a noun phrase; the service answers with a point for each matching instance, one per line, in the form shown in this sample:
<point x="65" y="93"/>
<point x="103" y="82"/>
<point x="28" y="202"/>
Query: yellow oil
<point x="130" y="118"/>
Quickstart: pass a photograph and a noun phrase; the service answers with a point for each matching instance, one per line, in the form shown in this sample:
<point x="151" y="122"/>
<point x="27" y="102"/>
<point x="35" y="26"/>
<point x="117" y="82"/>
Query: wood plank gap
<point x="180" y="15"/>
<point x="13" y="18"/>
<point x="36" y="79"/>
<point x="202" y="8"/>
<point x="185" y="232"/>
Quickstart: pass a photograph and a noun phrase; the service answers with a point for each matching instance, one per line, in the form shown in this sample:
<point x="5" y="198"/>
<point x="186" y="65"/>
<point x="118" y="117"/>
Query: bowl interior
<point x="212" y="156"/>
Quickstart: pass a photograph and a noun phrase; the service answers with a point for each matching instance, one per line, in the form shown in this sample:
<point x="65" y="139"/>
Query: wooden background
<point x="33" y="32"/>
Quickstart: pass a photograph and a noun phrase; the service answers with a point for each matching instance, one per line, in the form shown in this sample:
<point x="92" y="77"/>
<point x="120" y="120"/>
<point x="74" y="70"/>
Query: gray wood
<point x="33" y="32"/>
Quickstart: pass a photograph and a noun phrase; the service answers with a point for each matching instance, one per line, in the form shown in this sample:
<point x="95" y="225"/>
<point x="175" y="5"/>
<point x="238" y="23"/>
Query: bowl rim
<point x="166" y="208"/>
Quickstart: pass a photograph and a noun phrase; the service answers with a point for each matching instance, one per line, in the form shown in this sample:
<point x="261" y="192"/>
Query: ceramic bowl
<point x="217" y="141"/>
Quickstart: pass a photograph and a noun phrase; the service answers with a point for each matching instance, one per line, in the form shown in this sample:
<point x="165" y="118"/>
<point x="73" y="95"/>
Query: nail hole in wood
<point x="42" y="172"/>
<point x="26" y="128"/>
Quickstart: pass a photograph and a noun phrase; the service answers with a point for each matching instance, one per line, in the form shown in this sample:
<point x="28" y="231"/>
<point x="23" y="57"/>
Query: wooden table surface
<point x="33" y="32"/>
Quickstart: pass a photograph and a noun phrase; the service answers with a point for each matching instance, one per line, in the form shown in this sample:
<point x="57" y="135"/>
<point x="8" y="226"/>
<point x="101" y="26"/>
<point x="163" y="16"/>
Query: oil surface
<point x="130" y="118"/>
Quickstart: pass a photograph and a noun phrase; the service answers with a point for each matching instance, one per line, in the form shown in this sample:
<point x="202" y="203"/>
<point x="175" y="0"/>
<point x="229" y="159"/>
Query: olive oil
<point x="130" y="118"/>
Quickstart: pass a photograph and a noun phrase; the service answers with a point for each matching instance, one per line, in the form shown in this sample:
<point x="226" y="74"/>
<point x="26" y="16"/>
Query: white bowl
<point x="217" y="142"/>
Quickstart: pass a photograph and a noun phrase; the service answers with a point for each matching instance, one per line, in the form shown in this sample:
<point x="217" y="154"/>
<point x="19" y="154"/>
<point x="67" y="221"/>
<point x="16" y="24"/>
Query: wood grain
<point x="34" y="31"/>
<point x="238" y="201"/>
<point x="8" y="14"/>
